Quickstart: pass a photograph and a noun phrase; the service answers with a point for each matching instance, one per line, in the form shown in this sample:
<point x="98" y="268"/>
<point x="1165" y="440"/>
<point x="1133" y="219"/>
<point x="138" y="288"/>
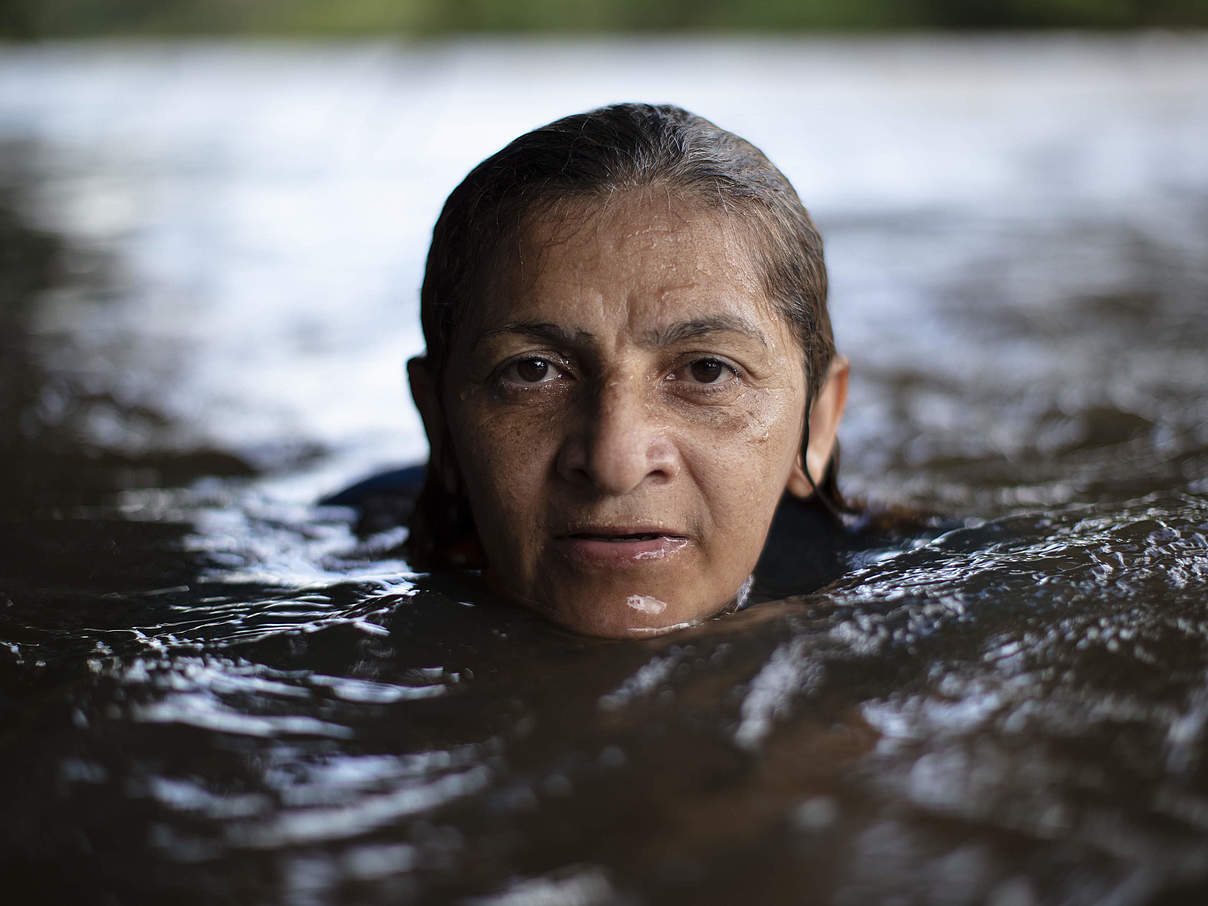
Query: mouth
<point x="620" y="537"/>
<point x="618" y="547"/>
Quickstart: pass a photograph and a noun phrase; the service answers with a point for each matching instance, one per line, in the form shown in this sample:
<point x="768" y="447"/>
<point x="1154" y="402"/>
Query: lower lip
<point x="622" y="552"/>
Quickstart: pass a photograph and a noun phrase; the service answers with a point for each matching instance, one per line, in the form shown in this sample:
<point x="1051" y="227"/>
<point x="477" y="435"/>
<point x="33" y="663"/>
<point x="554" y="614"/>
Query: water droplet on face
<point x="646" y="604"/>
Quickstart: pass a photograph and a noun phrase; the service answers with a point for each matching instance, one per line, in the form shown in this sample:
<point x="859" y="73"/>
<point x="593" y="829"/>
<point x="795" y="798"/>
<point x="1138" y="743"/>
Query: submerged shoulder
<point x="382" y="501"/>
<point x="808" y="546"/>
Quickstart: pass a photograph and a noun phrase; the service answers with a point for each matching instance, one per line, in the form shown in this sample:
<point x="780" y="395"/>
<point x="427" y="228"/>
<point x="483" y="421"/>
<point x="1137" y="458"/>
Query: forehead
<point x="659" y="248"/>
<point x="640" y="219"/>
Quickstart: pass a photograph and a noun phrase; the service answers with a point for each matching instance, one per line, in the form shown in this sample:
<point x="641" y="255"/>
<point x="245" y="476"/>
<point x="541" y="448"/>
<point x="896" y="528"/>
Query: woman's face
<point x="625" y="410"/>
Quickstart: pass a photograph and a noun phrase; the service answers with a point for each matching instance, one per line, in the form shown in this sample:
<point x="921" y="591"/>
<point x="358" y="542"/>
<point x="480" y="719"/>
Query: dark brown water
<point x="211" y="690"/>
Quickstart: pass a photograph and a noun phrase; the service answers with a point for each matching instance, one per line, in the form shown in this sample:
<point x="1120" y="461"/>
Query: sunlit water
<point x="212" y="690"/>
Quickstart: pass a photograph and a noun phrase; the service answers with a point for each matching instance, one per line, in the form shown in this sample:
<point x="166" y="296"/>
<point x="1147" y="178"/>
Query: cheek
<point x="748" y="451"/>
<point x="501" y="460"/>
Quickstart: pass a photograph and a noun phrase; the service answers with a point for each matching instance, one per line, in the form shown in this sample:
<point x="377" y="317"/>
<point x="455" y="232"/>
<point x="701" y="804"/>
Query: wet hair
<point x="597" y="155"/>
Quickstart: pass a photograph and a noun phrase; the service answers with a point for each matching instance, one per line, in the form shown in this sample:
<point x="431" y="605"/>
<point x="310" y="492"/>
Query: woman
<point x="629" y="363"/>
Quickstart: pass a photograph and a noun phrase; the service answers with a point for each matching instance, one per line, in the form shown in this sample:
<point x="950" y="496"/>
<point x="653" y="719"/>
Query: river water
<point x="212" y="690"/>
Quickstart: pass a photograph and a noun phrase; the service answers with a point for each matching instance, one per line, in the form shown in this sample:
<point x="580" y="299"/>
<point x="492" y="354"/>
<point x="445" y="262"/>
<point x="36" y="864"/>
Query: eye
<point x="706" y="374"/>
<point x="708" y="371"/>
<point x="530" y="370"/>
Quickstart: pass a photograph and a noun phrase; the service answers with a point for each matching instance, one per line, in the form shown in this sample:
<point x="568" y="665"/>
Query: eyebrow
<point x="700" y="327"/>
<point x="538" y="330"/>
<point x="664" y="336"/>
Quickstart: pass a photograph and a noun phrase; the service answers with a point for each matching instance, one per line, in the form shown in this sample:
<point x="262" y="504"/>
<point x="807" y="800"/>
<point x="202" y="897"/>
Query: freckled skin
<point x="632" y="374"/>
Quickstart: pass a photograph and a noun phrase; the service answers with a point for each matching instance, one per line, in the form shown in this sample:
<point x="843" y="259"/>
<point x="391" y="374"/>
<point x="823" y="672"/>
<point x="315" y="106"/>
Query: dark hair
<point x="594" y="155"/>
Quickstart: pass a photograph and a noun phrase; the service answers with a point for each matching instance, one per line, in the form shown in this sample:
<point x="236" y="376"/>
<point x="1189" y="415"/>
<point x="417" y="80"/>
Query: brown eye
<point x="707" y="371"/>
<point x="532" y="371"/>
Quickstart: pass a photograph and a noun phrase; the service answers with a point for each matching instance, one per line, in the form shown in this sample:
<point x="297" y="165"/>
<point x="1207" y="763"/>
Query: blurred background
<point x="39" y="18"/>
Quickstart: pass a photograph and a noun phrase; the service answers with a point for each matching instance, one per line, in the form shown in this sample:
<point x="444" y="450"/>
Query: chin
<point x="613" y="616"/>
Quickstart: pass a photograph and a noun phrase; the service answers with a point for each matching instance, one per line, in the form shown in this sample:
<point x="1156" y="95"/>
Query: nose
<point x="620" y="441"/>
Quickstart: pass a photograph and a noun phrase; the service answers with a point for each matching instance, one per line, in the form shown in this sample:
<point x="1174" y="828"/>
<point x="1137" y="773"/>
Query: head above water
<point x="629" y="361"/>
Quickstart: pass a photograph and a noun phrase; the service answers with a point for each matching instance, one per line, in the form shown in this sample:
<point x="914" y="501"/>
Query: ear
<point x="825" y="416"/>
<point x="427" y="400"/>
